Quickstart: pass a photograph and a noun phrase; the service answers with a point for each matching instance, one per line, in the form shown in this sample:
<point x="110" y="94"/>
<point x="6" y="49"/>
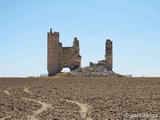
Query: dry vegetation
<point x="71" y="98"/>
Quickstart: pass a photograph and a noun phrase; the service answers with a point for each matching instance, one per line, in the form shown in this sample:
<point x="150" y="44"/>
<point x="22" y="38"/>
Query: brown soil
<point x="83" y="98"/>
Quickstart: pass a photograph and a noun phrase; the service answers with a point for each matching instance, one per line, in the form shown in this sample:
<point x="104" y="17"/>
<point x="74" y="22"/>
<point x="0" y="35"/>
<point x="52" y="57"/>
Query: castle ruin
<point x="59" y="57"/>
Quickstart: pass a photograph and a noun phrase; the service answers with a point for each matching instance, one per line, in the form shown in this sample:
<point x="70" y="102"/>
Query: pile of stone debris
<point x="94" y="70"/>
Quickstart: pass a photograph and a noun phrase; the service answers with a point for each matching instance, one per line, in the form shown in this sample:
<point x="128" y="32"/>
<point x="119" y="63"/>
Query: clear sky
<point x="132" y="25"/>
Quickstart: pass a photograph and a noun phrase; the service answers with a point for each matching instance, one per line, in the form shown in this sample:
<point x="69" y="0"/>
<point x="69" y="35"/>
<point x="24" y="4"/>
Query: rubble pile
<point x="93" y="70"/>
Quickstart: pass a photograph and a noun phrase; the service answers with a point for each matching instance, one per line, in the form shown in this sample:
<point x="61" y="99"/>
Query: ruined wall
<point x="108" y="54"/>
<point x="71" y="56"/>
<point x="59" y="57"/>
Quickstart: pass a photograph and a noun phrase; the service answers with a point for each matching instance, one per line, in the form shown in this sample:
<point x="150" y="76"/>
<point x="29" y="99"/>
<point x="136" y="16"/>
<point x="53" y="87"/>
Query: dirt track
<point x="78" y="98"/>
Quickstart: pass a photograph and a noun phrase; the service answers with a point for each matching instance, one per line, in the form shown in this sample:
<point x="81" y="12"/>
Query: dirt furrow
<point x="84" y="108"/>
<point x="44" y="107"/>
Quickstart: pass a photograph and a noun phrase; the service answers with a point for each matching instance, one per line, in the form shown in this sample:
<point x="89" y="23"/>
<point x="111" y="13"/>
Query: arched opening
<point x="65" y="70"/>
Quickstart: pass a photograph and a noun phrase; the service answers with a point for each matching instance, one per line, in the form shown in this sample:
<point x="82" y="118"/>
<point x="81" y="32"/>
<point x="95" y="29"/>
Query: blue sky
<point x="132" y="25"/>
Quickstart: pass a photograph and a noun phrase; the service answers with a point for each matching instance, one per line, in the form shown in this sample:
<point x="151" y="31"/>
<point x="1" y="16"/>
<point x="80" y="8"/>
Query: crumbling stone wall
<point x="108" y="54"/>
<point x="102" y="68"/>
<point x="59" y="57"/>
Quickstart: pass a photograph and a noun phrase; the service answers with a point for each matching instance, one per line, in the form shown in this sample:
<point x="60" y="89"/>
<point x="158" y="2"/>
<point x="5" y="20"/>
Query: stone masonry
<point x="59" y="57"/>
<point x="108" y="54"/>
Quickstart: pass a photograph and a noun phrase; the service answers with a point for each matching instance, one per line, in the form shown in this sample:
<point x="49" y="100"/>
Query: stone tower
<point x="108" y="54"/>
<point x="59" y="57"/>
